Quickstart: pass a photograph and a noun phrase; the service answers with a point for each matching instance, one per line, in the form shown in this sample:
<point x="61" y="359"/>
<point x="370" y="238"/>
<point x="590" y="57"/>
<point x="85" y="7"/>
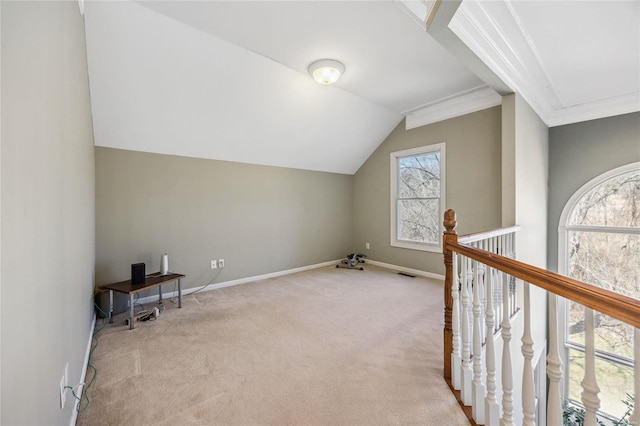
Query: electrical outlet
<point x="214" y="265"/>
<point x="221" y="263"/>
<point x="367" y="246"/>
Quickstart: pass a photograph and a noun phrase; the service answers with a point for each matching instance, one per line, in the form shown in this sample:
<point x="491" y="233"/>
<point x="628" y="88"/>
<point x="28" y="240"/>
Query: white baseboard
<point x="154" y="298"/>
<point x="407" y="270"/>
<point x="74" y="414"/>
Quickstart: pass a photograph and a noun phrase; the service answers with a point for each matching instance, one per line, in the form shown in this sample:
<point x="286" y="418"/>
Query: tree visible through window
<point x="603" y="249"/>
<point x="417" y="188"/>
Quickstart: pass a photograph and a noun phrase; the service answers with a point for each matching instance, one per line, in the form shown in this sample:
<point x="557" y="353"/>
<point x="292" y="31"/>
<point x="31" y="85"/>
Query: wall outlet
<point x="214" y="264"/>
<point x="221" y="263"/>
<point x="367" y="246"/>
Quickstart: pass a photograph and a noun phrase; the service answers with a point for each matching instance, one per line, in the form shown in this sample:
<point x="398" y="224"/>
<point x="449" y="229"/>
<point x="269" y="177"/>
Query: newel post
<point x="449" y="236"/>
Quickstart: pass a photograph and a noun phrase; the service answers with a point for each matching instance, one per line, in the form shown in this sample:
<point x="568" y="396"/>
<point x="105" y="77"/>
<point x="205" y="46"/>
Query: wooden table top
<point x="151" y="280"/>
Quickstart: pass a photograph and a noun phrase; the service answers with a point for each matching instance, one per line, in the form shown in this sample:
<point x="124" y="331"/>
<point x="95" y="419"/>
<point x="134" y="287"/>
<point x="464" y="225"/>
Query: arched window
<point x="599" y="243"/>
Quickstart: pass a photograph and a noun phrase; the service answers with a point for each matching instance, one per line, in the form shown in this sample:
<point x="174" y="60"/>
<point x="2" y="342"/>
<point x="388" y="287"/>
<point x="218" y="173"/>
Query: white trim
<point x="418" y="11"/>
<point x="154" y="298"/>
<point x="482" y="26"/>
<point x="607" y="229"/>
<point x="568" y="208"/>
<point x="83" y="375"/>
<point x="473" y="100"/>
<point x="563" y="259"/>
<point x="407" y="270"/>
<point x="471" y="238"/>
<point x="393" y="173"/>
<point x="618" y="105"/>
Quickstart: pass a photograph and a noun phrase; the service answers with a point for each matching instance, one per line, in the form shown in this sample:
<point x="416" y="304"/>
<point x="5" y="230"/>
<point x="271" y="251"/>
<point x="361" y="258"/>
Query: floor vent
<point x="406" y="275"/>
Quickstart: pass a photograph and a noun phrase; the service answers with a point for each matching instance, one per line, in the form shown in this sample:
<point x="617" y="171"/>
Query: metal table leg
<point x="110" y="306"/>
<point x="179" y="295"/>
<point x="159" y="295"/>
<point x="131" y="315"/>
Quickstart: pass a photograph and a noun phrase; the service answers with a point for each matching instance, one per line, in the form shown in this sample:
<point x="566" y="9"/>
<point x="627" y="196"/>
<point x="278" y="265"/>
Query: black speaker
<point x="138" y="275"/>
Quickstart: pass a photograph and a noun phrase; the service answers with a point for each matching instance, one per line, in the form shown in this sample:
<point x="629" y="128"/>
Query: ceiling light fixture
<point x="326" y="71"/>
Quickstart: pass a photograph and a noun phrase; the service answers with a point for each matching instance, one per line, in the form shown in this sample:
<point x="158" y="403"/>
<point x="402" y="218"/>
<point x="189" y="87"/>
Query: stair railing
<point x="473" y="268"/>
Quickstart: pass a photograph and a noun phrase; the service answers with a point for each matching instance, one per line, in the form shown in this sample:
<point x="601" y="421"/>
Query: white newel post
<point x="455" y="326"/>
<point x="635" y="416"/>
<point x="528" y="386"/>
<point x="491" y="407"/>
<point x="477" y="406"/>
<point x="589" y="384"/>
<point x="554" y="366"/>
<point x="465" y="385"/>
<point x="507" y="374"/>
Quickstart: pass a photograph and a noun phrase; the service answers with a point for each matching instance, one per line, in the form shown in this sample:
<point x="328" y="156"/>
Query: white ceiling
<point x="571" y="60"/>
<point x="228" y="80"/>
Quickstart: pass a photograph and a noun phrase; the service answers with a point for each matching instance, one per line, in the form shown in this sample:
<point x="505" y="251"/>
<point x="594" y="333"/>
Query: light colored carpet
<point x="323" y="347"/>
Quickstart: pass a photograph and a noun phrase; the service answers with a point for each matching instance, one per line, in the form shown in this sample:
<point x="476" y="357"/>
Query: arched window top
<point x="610" y="200"/>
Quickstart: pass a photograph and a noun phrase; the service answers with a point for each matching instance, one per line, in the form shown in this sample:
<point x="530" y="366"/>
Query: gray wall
<point x="580" y="152"/>
<point x="260" y="219"/>
<point x="47" y="210"/>
<point x="525" y="142"/>
<point x="525" y="153"/>
<point x="473" y="185"/>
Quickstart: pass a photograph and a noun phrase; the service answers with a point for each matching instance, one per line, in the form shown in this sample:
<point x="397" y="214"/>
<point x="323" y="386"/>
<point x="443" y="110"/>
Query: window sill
<point x="433" y="248"/>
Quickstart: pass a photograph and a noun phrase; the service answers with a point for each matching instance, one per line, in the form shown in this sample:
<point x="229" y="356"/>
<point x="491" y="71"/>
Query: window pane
<point x="419" y="176"/>
<point x="610" y="335"/>
<point x="606" y="260"/>
<point x="418" y="220"/>
<point x="615" y="381"/>
<point x="615" y="202"/>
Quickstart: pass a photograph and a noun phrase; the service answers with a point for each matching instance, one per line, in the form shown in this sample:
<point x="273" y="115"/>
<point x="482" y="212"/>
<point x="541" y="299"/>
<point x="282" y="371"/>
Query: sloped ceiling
<point x="228" y="80"/>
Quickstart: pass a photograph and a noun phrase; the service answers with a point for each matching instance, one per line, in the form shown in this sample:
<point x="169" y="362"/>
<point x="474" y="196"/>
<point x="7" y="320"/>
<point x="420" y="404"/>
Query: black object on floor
<point x="352" y="261"/>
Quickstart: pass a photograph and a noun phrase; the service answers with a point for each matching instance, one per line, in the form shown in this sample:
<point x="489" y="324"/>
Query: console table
<point x="152" y="280"/>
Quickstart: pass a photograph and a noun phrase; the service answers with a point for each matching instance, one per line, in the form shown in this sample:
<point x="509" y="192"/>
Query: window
<point x="599" y="241"/>
<point x="417" y="198"/>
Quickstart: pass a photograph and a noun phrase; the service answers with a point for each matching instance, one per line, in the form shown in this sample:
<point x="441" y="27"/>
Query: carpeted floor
<point x="324" y="347"/>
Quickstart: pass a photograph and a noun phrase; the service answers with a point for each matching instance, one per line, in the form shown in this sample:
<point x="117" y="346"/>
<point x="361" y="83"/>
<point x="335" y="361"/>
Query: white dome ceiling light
<point x="326" y="71"/>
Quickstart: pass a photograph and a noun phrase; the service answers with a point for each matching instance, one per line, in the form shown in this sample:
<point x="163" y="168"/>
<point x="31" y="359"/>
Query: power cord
<point x="94" y="344"/>
<point x="174" y="299"/>
<point x="85" y="390"/>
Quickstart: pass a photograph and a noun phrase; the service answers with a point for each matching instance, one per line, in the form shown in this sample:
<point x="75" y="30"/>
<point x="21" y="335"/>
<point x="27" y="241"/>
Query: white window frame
<point x="394" y="156"/>
<point x="563" y="262"/>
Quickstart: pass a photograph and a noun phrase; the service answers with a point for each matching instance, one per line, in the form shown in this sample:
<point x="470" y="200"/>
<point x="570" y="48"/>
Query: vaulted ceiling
<point x="228" y="80"/>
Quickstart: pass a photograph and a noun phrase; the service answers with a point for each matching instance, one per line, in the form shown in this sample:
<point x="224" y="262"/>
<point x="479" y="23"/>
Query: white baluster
<point x="589" y="384"/>
<point x="507" y="374"/>
<point x="498" y="287"/>
<point x="465" y="385"/>
<point x="554" y="366"/>
<point x="483" y="301"/>
<point x="456" y="360"/>
<point x="477" y="406"/>
<point x="491" y="407"/>
<point x="528" y="386"/>
<point x="635" y="416"/>
<point x="512" y="283"/>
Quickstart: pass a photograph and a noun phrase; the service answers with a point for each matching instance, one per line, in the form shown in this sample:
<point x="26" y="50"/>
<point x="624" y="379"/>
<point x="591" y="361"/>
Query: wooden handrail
<point x="615" y="305"/>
